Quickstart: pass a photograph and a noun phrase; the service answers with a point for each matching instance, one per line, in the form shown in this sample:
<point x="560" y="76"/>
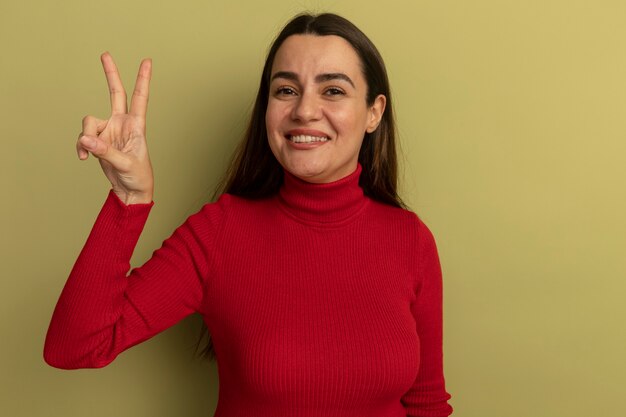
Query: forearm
<point x="81" y="332"/>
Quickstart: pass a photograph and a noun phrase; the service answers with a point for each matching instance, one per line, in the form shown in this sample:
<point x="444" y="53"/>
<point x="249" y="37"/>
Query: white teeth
<point x="307" y="139"/>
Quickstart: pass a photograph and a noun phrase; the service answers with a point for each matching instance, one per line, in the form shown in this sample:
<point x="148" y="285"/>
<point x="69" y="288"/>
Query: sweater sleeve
<point x="103" y="309"/>
<point x="428" y="397"/>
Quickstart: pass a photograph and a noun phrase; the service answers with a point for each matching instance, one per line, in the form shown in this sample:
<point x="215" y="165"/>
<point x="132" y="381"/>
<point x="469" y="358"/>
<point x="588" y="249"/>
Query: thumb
<point x="102" y="150"/>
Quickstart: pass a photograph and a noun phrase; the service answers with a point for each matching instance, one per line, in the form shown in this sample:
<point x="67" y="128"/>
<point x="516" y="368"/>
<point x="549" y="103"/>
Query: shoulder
<point x="214" y="222"/>
<point x="411" y="229"/>
<point x="403" y="230"/>
<point x="228" y="207"/>
<point x="406" y="219"/>
<point x="227" y="203"/>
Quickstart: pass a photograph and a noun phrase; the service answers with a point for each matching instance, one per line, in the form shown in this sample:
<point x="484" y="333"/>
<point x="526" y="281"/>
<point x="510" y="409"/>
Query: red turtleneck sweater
<point x="319" y="300"/>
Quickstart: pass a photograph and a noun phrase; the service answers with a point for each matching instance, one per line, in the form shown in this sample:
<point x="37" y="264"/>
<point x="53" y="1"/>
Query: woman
<point x="322" y="295"/>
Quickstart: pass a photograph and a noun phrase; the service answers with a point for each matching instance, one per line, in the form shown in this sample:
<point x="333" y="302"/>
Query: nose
<point x="307" y="108"/>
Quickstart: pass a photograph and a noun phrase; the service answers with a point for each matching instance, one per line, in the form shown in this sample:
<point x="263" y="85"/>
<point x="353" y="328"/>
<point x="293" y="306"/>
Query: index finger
<point x="139" y="101"/>
<point x="116" y="89"/>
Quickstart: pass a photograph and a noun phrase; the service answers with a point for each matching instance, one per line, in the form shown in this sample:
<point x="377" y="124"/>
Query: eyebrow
<point x="318" y="78"/>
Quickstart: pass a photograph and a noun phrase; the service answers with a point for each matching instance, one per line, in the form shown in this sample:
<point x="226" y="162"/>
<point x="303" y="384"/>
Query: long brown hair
<point x="255" y="172"/>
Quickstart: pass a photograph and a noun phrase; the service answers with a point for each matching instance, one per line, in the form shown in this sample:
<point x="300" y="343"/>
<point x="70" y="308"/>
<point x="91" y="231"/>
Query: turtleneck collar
<point x="322" y="204"/>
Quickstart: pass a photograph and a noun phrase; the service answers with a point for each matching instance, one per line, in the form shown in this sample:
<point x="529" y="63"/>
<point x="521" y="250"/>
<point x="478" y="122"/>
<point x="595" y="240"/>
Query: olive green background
<point x="512" y="121"/>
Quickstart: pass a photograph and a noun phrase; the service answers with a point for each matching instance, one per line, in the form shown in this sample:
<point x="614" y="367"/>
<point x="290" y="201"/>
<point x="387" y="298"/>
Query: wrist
<point x="134" y="198"/>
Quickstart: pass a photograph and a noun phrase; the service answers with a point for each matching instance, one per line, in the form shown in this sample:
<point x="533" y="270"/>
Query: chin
<point x="306" y="173"/>
<point x="320" y="174"/>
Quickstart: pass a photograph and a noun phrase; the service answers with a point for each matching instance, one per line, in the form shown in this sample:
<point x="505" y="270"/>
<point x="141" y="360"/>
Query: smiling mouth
<point x="307" y="139"/>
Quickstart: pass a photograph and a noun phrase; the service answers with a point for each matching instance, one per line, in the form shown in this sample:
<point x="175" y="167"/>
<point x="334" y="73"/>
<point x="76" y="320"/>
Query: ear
<point x="376" y="111"/>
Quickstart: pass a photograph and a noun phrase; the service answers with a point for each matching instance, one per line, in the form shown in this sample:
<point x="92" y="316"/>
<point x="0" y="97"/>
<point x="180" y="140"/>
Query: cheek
<point x="273" y="117"/>
<point x="350" y="121"/>
<point x="271" y="125"/>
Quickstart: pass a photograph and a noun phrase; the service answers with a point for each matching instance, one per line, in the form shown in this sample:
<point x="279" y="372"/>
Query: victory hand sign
<point x="119" y="142"/>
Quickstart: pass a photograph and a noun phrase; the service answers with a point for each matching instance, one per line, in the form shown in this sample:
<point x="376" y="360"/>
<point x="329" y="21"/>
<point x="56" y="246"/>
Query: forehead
<point x="315" y="54"/>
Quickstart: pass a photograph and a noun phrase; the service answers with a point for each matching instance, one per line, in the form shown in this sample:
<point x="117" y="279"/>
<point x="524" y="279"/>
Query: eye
<point x="285" y="91"/>
<point x="334" y="91"/>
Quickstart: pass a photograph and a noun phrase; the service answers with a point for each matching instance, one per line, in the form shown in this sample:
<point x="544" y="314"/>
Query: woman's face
<point x="317" y="112"/>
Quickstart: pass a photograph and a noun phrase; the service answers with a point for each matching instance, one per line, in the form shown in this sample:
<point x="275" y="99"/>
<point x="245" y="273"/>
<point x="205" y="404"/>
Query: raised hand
<point x="119" y="142"/>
